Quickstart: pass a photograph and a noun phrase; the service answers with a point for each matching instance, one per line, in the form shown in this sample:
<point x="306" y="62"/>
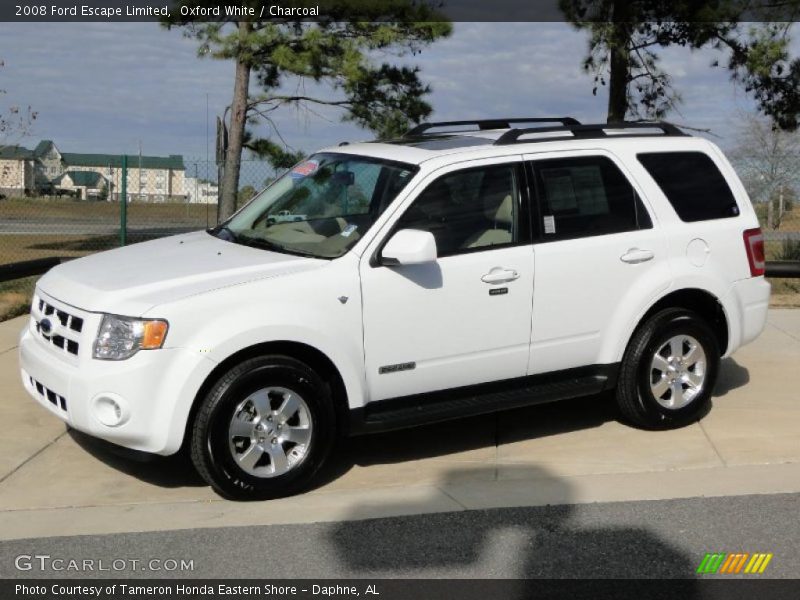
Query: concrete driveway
<point x="54" y="482"/>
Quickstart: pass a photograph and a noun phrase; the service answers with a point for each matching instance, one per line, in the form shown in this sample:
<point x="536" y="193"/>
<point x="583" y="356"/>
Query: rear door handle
<point x="635" y="256"/>
<point x="500" y="275"/>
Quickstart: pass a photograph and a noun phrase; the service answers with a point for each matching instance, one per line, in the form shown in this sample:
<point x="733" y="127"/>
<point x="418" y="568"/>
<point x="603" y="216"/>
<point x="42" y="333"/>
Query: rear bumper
<point x="750" y="298"/>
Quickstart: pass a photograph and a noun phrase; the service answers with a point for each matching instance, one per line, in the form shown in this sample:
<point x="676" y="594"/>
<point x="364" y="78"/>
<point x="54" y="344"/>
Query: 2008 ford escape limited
<point x="464" y="268"/>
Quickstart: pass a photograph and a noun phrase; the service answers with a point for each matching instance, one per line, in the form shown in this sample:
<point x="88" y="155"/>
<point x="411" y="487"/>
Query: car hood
<point x="135" y="279"/>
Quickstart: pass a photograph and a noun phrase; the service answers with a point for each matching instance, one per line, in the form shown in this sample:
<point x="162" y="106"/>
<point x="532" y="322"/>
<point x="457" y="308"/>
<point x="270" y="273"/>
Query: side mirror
<point x="409" y="247"/>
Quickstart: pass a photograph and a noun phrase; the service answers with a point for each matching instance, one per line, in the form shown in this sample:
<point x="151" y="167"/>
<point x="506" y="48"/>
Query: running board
<point x="421" y="409"/>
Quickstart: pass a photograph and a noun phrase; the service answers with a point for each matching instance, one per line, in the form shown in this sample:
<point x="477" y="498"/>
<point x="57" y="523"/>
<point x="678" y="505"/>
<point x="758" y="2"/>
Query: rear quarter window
<point x="692" y="183"/>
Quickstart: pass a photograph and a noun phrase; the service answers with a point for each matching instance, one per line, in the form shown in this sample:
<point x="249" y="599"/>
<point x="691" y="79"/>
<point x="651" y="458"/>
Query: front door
<point x="464" y="319"/>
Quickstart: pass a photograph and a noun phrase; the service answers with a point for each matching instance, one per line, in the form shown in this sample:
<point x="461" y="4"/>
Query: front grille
<point x="55" y="399"/>
<point x="60" y="337"/>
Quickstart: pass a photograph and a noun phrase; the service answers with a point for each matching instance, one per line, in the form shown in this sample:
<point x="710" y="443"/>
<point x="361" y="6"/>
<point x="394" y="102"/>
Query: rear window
<point x="692" y="183"/>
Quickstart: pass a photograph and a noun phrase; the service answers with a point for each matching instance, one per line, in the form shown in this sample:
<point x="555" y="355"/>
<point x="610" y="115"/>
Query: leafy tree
<point x="246" y="193"/>
<point x="337" y="50"/>
<point x="625" y="36"/>
<point x="14" y="120"/>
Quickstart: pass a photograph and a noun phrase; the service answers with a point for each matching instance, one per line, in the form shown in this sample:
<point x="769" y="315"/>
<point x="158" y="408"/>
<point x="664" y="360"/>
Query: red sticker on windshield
<point x="305" y="169"/>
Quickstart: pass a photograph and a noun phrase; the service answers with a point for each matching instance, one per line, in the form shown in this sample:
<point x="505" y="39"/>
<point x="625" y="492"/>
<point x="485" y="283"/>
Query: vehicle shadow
<point x="732" y="375"/>
<point x="545" y="538"/>
<point x="471" y="433"/>
<point x="164" y="471"/>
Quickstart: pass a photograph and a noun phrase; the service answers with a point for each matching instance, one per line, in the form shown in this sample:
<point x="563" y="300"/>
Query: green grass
<point x="15" y="297"/>
<point x="70" y="209"/>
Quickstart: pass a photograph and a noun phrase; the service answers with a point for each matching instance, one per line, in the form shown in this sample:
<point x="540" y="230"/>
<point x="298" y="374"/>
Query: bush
<point x="790" y="250"/>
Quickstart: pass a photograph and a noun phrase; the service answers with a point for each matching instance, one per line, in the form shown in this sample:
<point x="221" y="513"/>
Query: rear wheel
<point x="669" y="370"/>
<point x="264" y="429"/>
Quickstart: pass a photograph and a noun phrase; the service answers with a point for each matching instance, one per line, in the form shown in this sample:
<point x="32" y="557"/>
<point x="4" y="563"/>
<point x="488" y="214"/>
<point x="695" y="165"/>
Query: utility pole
<point x="123" y="203"/>
<point x="141" y="196"/>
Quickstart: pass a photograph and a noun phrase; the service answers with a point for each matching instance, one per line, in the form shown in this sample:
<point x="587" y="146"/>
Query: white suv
<point x="465" y="268"/>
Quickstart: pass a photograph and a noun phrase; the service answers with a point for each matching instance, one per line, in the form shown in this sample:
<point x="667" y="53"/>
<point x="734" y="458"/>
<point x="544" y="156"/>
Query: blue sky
<point x="106" y="87"/>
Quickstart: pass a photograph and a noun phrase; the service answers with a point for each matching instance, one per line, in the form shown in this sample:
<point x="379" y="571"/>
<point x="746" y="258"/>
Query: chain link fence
<point x="77" y="211"/>
<point x="81" y="212"/>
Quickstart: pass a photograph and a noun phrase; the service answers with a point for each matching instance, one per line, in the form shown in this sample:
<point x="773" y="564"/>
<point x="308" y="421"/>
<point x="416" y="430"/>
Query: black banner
<point x="319" y="10"/>
<point x="402" y="589"/>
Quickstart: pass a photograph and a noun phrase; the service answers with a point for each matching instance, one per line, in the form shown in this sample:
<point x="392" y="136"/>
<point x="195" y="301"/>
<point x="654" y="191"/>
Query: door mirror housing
<point x="409" y="247"/>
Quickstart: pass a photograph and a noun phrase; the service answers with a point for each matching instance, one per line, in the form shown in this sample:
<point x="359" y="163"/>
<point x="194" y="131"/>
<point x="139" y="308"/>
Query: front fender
<point x="320" y="309"/>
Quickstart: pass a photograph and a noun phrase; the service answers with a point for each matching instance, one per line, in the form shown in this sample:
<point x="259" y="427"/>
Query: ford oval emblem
<point x="46" y="326"/>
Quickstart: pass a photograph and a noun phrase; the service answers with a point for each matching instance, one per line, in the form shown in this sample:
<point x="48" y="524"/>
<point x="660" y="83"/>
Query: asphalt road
<point x="93" y="226"/>
<point x="645" y="539"/>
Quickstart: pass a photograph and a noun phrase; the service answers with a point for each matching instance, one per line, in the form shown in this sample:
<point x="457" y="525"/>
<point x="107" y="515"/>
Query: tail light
<point x="754" y="244"/>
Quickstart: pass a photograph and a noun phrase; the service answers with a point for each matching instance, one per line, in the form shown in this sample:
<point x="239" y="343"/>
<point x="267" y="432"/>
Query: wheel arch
<point x="306" y="353"/>
<point x="700" y="301"/>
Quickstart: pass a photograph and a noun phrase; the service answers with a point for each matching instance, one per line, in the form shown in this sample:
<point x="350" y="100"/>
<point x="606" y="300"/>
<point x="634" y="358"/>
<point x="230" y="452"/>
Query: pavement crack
<point x="782" y="330"/>
<point x="34" y="455"/>
<point x="463" y="506"/>
<point x="716" y="451"/>
<point x="8" y="350"/>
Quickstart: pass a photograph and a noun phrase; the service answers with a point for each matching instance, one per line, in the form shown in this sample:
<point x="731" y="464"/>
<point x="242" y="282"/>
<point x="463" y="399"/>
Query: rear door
<point x="596" y="250"/>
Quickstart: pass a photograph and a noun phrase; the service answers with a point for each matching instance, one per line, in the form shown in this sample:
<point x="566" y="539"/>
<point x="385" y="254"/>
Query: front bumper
<point x="154" y="390"/>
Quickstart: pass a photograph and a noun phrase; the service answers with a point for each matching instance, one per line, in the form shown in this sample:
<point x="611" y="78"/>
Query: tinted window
<point x="587" y="196"/>
<point x="692" y="183"/>
<point x="475" y="208"/>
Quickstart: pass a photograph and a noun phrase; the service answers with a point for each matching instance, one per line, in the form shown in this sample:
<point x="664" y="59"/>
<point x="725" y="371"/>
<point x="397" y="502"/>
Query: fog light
<point x="110" y="410"/>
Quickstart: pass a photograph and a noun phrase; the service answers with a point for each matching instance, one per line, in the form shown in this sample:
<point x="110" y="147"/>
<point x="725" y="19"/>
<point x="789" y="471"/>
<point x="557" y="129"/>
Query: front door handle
<point x="635" y="256"/>
<point x="500" y="275"/>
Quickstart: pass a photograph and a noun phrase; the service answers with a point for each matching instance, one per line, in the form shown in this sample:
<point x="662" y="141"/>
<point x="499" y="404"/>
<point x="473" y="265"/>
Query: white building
<point x="200" y="191"/>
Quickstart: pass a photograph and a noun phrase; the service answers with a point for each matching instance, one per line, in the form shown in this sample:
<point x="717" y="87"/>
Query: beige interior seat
<point x="300" y="232"/>
<point x="498" y="207"/>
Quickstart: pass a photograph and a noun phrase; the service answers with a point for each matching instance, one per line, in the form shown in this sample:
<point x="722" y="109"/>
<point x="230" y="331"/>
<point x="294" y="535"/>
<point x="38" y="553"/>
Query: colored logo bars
<point x="731" y="564"/>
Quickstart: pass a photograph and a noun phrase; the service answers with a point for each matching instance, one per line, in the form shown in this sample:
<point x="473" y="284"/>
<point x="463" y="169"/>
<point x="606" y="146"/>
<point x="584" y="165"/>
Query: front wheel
<point x="264" y="429"/>
<point x="669" y="370"/>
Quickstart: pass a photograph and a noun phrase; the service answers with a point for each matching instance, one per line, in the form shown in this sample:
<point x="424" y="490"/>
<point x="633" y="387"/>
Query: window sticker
<point x="304" y="169"/>
<point x="549" y="224"/>
<point x="348" y="231"/>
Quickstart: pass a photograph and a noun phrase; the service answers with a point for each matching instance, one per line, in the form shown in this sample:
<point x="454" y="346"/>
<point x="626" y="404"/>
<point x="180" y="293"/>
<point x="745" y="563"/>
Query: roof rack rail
<point x="499" y="123"/>
<point x="586" y="131"/>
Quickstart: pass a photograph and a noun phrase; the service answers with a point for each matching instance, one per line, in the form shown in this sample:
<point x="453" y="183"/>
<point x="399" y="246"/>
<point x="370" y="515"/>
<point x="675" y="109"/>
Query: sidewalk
<point x="54" y="482"/>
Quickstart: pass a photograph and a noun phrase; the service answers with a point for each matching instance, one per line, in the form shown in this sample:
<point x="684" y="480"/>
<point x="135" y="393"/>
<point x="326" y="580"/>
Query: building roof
<point x="83" y="178"/>
<point x="73" y="159"/>
<point x="15" y="153"/>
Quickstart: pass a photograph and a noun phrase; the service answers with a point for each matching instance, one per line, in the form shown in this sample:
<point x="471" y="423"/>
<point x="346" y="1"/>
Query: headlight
<point x="122" y="337"/>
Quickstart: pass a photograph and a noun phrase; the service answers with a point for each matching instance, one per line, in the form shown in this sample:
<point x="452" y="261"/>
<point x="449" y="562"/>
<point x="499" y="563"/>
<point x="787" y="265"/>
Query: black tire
<point x="209" y="436"/>
<point x="635" y="399"/>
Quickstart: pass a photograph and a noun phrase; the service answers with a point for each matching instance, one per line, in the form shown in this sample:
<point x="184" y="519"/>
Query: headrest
<point x="498" y="205"/>
<point x="502" y="212"/>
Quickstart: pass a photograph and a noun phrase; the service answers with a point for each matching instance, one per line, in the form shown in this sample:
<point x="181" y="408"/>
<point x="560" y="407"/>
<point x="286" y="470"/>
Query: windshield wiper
<point x="227" y="233"/>
<point x="268" y="245"/>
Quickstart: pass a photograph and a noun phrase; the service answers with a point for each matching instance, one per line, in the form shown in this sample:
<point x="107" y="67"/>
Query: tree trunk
<point x="233" y="155"/>
<point x="771" y="213"/>
<point x="619" y="64"/>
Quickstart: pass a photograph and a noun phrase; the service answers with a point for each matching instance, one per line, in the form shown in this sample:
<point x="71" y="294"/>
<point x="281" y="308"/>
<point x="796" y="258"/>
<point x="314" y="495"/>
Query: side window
<point x="692" y="183"/>
<point x="465" y="210"/>
<point x="586" y="196"/>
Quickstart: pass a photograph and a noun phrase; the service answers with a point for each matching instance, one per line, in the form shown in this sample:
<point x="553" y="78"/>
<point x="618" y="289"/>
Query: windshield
<point x="319" y="208"/>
